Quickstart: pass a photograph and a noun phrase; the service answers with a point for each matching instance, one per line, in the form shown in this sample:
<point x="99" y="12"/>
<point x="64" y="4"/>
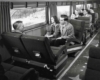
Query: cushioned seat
<point x="6" y="66"/>
<point x="12" y="72"/>
<point x="78" y="30"/>
<point x="75" y="44"/>
<point x="93" y="65"/>
<point x="36" y="52"/>
<point x="14" y="46"/>
<point x="88" y="28"/>
<point x="50" y="59"/>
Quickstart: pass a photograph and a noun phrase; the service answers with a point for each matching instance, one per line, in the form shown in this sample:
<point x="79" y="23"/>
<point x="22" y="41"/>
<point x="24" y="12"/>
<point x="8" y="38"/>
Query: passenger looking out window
<point x="66" y="31"/>
<point x="53" y="29"/>
<point x="18" y="26"/>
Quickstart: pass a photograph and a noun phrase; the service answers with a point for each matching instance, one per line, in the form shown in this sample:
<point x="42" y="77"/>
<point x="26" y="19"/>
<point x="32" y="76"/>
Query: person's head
<point x="54" y="19"/>
<point x="18" y="25"/>
<point x="63" y="19"/>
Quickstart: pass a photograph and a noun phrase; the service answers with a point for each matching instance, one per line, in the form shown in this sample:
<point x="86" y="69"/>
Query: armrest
<point x="30" y="74"/>
<point x="58" y="51"/>
<point x="94" y="52"/>
<point x="72" y="40"/>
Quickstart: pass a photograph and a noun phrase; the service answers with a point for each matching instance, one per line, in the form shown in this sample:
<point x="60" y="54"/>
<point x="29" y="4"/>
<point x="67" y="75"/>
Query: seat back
<point x="93" y="65"/>
<point x="14" y="45"/>
<point x="86" y="19"/>
<point x="78" y="28"/>
<point x="39" y="48"/>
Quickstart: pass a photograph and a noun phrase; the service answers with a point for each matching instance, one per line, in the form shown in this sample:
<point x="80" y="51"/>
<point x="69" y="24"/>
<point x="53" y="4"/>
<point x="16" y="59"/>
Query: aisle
<point x="77" y="70"/>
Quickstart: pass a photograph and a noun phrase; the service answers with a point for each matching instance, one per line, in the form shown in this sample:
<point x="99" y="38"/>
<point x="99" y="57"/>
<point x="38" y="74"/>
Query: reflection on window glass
<point x="63" y="10"/>
<point x="29" y="16"/>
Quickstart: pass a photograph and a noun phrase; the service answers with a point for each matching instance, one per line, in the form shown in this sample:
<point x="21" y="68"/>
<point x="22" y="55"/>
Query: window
<point x="79" y="7"/>
<point x="88" y="6"/>
<point x="63" y="10"/>
<point x="29" y="16"/>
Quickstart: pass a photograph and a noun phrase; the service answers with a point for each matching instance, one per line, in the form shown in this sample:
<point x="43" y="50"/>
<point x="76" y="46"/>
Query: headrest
<point x="41" y="38"/>
<point x="13" y="34"/>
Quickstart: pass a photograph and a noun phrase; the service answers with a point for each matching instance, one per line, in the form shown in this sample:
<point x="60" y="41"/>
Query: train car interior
<point x="49" y="40"/>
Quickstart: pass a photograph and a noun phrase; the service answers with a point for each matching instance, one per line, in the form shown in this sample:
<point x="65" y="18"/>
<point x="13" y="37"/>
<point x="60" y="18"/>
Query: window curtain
<point x="74" y="6"/>
<point x="5" y="22"/>
<point x="53" y="9"/>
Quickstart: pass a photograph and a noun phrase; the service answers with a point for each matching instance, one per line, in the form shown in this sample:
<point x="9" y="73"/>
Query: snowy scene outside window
<point x="29" y="16"/>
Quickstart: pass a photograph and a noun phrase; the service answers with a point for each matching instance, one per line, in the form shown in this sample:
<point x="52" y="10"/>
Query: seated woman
<point x="53" y="29"/>
<point x="66" y="31"/>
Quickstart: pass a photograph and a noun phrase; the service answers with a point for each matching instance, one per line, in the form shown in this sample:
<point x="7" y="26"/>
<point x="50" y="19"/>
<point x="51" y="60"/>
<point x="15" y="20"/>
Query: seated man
<point x="66" y="31"/>
<point x="18" y="26"/>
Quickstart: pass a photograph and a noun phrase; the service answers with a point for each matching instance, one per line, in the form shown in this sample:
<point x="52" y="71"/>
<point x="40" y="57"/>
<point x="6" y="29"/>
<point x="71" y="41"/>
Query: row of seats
<point x="93" y="64"/>
<point x="37" y="52"/>
<point x="11" y="72"/>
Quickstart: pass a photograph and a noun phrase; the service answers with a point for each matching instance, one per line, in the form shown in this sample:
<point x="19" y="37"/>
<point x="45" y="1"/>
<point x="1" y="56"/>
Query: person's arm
<point x="56" y="32"/>
<point x="48" y="30"/>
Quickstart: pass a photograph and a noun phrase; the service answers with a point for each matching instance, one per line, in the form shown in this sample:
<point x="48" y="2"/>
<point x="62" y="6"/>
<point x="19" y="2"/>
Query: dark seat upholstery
<point x="93" y="66"/>
<point x="50" y="59"/>
<point x="14" y="46"/>
<point x="36" y="52"/>
<point x="79" y="39"/>
<point x="11" y="72"/>
<point x="78" y="29"/>
<point x="88" y="28"/>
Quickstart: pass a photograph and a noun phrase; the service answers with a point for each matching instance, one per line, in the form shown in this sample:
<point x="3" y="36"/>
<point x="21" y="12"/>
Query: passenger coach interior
<point x="29" y="55"/>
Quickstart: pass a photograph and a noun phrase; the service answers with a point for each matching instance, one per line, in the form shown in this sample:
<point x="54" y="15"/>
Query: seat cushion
<point x="92" y="75"/>
<point x="92" y="62"/>
<point x="57" y="51"/>
<point x="6" y="66"/>
<point x="94" y="52"/>
<point x="18" y="69"/>
<point x="13" y="75"/>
